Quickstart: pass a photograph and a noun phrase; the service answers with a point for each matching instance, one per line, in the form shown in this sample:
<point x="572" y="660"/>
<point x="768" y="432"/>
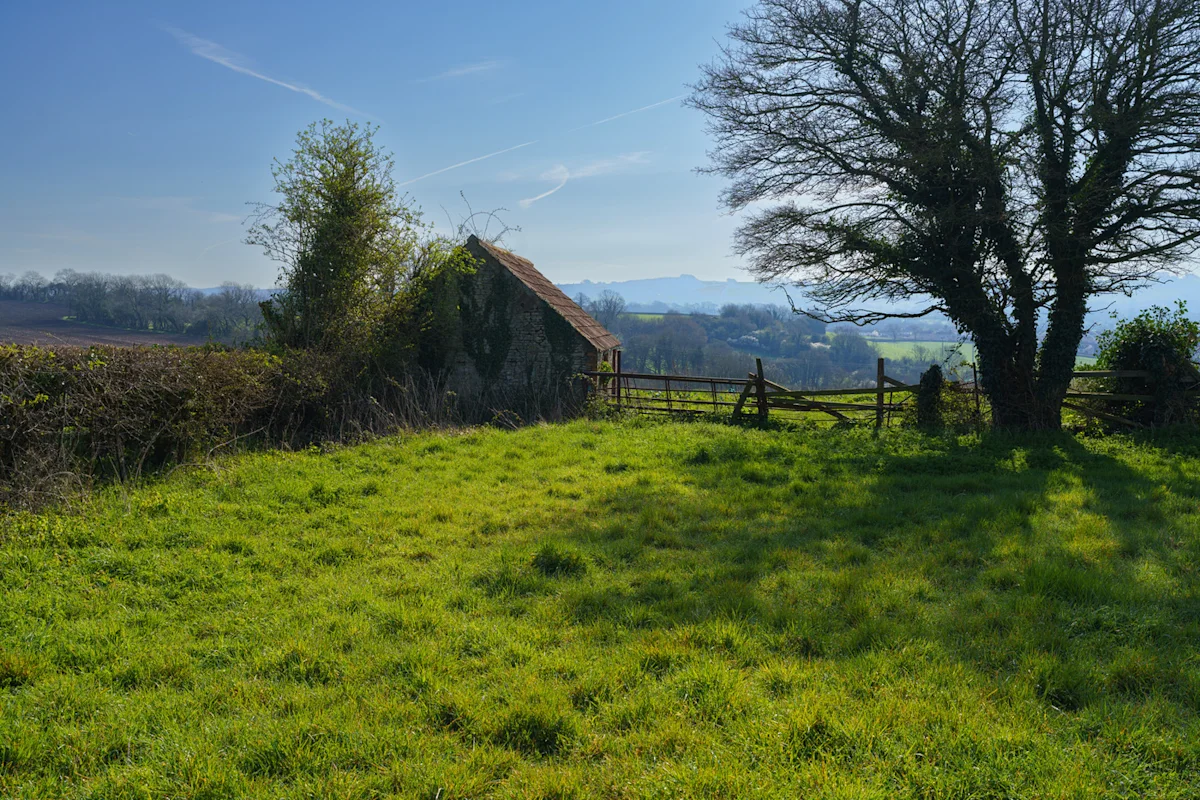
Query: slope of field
<point x="942" y="351"/>
<point x="938" y="351"/>
<point x="617" y="610"/>
<point x="43" y="323"/>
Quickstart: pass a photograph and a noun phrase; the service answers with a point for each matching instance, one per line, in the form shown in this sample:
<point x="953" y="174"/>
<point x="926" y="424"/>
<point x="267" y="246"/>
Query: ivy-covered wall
<point x="510" y="337"/>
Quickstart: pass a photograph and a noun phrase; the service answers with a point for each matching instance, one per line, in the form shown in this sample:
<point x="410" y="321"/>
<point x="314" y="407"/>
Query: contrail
<point x="627" y="113"/>
<point x="468" y="161"/>
<point x="465" y="69"/>
<point x="535" y="141"/>
<point x="217" y="54"/>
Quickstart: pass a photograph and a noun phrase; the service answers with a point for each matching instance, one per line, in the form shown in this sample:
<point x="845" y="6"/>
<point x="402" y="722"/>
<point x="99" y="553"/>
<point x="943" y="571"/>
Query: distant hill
<point x="689" y="294"/>
<point x="685" y="293"/>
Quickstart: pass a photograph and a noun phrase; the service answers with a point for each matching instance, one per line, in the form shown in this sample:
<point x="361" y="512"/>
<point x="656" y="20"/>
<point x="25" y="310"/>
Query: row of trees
<point x="144" y="303"/>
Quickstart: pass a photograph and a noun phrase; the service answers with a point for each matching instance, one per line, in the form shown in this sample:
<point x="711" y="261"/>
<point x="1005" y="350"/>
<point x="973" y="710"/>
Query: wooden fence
<point x="1188" y="387"/>
<point x="653" y="393"/>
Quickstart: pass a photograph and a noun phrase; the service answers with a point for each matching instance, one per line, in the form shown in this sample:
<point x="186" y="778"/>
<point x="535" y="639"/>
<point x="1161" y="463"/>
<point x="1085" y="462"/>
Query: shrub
<point x="1163" y="343"/>
<point x="929" y="398"/>
<point x="942" y="403"/>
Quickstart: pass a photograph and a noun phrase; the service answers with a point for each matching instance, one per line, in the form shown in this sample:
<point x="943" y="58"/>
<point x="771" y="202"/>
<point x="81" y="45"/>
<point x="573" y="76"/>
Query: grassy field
<point x="617" y="610"/>
<point x="941" y="351"/>
<point x="936" y="350"/>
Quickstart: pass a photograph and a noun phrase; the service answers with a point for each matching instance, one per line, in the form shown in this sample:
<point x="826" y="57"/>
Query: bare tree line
<point x="144" y="303"/>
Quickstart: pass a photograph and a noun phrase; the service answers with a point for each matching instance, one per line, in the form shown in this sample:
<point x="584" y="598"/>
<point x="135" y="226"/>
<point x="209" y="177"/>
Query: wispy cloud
<point x="526" y="144"/>
<point x="606" y="166"/>
<point x="505" y="98"/>
<point x="219" y="244"/>
<point x="172" y="204"/>
<point x="462" y="70"/>
<point x="628" y="113"/>
<point x="217" y="54"/>
<point x="468" y="161"/>
<point x="560" y="173"/>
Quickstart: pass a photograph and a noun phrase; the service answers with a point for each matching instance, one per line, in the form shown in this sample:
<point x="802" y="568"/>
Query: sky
<point x="136" y="133"/>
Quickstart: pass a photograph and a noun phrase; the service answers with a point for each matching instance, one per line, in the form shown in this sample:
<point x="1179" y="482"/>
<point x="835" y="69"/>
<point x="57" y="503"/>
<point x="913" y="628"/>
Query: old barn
<point x="520" y="331"/>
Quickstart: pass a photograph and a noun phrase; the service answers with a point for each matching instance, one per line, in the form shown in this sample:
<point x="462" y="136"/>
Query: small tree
<point x="342" y="233"/>
<point x="1002" y="162"/>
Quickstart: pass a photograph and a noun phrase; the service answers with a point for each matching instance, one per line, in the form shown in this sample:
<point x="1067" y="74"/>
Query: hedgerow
<point x="72" y="416"/>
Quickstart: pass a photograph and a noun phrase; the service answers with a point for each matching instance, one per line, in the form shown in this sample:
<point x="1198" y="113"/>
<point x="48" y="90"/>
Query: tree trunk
<point x="1060" y="348"/>
<point x="1019" y="400"/>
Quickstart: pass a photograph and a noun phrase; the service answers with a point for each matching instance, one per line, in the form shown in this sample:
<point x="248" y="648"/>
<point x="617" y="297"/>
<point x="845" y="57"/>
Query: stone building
<point x="519" y="331"/>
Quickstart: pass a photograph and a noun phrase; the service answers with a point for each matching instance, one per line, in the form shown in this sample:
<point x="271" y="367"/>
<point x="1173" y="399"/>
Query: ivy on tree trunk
<point x="1000" y="163"/>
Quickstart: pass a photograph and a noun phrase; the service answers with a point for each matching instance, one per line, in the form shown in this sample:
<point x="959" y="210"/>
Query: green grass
<point x="617" y="610"/>
<point x="940" y="351"/>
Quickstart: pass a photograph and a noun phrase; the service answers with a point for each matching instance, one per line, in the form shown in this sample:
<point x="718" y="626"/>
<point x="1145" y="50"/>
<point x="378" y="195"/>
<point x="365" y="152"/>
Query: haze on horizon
<point x="137" y="133"/>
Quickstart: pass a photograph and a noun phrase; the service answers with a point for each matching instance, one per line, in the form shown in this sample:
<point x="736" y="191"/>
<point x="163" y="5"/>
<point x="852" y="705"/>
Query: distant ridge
<point x="685" y="293"/>
<point x="689" y="294"/>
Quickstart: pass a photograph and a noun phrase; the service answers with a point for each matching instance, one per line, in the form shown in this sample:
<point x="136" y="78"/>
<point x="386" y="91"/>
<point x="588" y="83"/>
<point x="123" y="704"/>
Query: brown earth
<point x="43" y="323"/>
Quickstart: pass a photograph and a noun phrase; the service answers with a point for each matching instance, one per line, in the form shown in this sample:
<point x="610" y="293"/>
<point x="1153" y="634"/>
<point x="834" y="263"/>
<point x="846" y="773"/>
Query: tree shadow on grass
<point x="1029" y="557"/>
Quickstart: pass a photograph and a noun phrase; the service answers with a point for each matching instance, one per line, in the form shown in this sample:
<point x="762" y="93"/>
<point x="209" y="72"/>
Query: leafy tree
<point x="1163" y="343"/>
<point x="1000" y="162"/>
<point x="343" y="234"/>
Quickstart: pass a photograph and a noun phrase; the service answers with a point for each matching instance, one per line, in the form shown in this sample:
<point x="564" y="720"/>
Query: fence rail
<point x="697" y="394"/>
<point x="647" y="392"/>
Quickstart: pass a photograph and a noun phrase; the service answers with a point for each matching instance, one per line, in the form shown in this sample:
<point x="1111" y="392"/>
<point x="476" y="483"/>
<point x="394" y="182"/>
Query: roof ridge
<point x="523" y="270"/>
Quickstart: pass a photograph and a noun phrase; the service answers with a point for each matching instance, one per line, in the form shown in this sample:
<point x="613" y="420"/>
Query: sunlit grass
<point x="617" y="610"/>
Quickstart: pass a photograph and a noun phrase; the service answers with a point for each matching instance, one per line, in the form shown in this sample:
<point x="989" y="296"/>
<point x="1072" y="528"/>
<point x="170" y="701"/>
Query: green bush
<point x="1162" y="342"/>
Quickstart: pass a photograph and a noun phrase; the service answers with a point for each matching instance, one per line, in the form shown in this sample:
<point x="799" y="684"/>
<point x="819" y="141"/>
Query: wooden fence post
<point x="879" y="376"/>
<point x="761" y="386"/>
<point x="618" y="379"/>
<point x="741" y="401"/>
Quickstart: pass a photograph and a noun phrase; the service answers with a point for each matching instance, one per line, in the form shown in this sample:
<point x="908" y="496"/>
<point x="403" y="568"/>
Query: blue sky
<point x="137" y="132"/>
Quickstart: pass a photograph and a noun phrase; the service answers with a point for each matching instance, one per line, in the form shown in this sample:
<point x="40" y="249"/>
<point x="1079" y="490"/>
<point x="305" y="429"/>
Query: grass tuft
<point x="555" y="561"/>
<point x="541" y="732"/>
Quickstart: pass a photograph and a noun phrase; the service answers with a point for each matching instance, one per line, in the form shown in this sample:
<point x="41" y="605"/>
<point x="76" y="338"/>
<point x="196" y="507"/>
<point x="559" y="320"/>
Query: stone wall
<point x="511" y="338"/>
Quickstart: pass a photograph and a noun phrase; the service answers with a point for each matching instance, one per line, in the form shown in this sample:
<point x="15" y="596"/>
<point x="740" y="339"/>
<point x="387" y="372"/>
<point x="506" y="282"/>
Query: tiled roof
<point x="567" y="308"/>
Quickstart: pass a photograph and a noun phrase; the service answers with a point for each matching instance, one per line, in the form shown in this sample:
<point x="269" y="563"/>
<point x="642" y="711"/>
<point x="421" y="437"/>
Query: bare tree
<point x="31" y="287"/>
<point x="1003" y="163"/>
<point x="607" y="308"/>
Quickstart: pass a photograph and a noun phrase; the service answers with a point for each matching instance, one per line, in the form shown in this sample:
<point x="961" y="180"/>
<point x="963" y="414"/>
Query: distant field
<point x="617" y="610"/>
<point x="43" y="323"/>
<point x="937" y="350"/>
<point x="941" y="350"/>
<point x="645" y="316"/>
